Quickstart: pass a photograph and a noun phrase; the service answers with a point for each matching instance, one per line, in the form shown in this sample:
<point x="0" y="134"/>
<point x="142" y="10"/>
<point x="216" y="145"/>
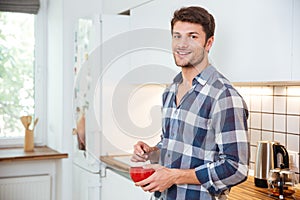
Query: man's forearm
<point x="186" y="176"/>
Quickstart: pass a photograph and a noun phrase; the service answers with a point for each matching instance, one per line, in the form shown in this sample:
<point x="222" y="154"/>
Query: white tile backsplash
<point x="293" y="142"/>
<point x="267" y="104"/>
<point x="293" y="105"/>
<point x="293" y="91"/>
<point x="267" y="121"/>
<point x="280" y="90"/>
<point x="293" y="124"/>
<point x="252" y="154"/>
<point x="256" y="91"/>
<point x="255" y="104"/>
<point x="279" y="123"/>
<point x="279" y="104"/>
<point x="255" y="120"/>
<point x="279" y="137"/>
<point x="274" y="116"/>
<point x="255" y="136"/>
<point x="267" y="90"/>
<point x="267" y="135"/>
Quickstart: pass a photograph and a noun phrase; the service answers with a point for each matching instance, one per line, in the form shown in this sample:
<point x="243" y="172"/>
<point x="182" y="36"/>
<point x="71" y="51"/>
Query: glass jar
<point x="281" y="183"/>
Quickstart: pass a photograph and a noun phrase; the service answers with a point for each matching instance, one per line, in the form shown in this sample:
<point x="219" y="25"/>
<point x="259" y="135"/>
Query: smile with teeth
<point x="183" y="52"/>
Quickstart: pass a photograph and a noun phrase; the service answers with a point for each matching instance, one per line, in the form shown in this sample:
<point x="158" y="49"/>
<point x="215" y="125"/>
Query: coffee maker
<point x="269" y="155"/>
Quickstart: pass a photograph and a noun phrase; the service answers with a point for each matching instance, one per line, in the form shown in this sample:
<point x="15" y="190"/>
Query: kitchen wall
<point x="274" y="116"/>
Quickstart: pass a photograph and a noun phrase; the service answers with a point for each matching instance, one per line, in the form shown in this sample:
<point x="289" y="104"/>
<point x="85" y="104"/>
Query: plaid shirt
<point x="207" y="132"/>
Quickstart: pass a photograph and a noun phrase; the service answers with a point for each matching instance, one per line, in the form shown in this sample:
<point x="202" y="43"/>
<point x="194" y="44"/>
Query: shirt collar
<point x="201" y="78"/>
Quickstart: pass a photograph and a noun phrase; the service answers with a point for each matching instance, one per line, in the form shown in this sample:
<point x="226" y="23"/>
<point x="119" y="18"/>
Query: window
<point x="22" y="74"/>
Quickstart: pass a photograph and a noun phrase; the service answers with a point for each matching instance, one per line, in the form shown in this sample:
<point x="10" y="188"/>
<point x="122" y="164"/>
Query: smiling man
<point x="204" y="150"/>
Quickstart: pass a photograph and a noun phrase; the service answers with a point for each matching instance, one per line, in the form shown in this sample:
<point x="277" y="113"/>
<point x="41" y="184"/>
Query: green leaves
<point x="16" y="70"/>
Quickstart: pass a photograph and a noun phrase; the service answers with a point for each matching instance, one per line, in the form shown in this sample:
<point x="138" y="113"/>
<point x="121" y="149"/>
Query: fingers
<point x="140" y="148"/>
<point x="148" y="186"/>
<point x="145" y="184"/>
<point x="138" y="158"/>
<point x="140" y="152"/>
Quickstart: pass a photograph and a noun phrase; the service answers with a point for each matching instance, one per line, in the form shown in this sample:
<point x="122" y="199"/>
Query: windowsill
<point x="39" y="153"/>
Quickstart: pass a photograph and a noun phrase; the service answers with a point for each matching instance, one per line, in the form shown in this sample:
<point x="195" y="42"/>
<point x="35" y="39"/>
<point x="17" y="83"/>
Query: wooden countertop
<point x="110" y="161"/>
<point x="246" y="190"/>
<point x="249" y="191"/>
<point x="39" y="153"/>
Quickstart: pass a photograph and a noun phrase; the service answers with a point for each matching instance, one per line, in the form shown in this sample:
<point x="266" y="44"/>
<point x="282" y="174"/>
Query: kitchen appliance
<point x="117" y="86"/>
<point x="269" y="155"/>
<point x="281" y="183"/>
<point x="91" y="33"/>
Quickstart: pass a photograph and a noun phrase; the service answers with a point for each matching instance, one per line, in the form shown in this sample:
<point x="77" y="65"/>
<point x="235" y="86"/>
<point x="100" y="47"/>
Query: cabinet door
<point x="155" y="14"/>
<point x="253" y="39"/>
<point x="151" y="22"/>
<point x="296" y="42"/>
<point x="86" y="185"/>
<point x="116" y="187"/>
<point x="116" y="7"/>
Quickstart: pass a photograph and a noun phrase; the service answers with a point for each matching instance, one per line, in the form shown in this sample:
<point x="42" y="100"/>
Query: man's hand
<point x="142" y="152"/>
<point x="162" y="179"/>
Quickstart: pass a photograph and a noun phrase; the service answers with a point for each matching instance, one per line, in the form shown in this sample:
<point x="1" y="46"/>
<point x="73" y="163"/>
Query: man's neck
<point x="189" y="73"/>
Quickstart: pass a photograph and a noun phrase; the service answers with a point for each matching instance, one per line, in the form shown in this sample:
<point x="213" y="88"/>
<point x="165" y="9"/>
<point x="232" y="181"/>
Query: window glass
<point x="17" y="67"/>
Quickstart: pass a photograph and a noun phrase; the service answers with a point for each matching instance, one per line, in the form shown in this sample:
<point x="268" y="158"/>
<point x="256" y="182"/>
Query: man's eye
<point x="193" y="36"/>
<point x="176" y="36"/>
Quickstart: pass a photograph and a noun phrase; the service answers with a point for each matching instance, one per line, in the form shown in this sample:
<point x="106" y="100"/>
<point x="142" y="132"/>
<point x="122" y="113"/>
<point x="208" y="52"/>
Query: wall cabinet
<point x="116" y="186"/>
<point x="254" y="40"/>
<point x="115" y="6"/>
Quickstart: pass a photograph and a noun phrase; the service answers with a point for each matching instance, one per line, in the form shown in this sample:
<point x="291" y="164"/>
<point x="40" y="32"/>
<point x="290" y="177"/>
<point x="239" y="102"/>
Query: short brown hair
<point x="196" y="15"/>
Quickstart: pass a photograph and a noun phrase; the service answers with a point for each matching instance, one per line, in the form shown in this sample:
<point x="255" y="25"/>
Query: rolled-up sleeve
<point x="229" y="124"/>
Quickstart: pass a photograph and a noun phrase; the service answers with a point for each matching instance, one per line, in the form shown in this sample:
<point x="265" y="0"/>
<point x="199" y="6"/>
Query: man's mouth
<point x="183" y="53"/>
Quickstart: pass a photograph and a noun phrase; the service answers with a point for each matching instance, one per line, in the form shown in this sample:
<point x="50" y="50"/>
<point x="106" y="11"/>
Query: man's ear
<point x="209" y="43"/>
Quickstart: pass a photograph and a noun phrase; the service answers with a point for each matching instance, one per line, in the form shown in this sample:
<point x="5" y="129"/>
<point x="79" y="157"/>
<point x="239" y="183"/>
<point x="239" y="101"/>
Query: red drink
<point x="139" y="173"/>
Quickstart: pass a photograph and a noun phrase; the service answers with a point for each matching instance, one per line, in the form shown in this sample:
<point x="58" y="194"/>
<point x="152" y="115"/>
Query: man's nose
<point x="183" y="42"/>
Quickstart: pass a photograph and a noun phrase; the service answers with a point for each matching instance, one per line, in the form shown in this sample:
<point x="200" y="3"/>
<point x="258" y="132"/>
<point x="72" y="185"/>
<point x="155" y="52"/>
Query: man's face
<point x="188" y="44"/>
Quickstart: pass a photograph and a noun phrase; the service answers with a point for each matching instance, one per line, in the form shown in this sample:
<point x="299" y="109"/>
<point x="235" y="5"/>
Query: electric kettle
<point x="269" y="155"/>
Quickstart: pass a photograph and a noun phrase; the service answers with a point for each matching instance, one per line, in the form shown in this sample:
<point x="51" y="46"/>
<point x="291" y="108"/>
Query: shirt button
<point x="176" y="112"/>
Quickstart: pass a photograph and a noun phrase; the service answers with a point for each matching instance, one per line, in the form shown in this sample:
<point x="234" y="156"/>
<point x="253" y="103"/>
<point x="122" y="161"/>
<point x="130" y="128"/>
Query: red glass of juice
<point x="139" y="173"/>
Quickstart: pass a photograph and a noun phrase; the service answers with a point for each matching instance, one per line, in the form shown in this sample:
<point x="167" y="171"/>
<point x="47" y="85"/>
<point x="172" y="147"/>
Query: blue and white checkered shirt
<point x="207" y="132"/>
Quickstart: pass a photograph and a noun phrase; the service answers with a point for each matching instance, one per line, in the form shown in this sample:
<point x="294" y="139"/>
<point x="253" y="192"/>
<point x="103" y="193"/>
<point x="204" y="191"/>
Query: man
<point x="204" y="149"/>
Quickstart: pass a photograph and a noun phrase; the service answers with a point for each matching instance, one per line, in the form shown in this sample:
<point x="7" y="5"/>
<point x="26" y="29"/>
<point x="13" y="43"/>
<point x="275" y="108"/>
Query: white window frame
<point x="40" y="82"/>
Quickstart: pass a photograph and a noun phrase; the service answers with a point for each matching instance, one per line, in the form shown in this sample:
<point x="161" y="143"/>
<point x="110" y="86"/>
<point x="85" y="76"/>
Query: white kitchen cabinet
<point x="117" y="6"/>
<point x="155" y="14"/>
<point x="253" y="38"/>
<point x="296" y="42"/>
<point x="86" y="183"/>
<point x="151" y="22"/>
<point x="116" y="187"/>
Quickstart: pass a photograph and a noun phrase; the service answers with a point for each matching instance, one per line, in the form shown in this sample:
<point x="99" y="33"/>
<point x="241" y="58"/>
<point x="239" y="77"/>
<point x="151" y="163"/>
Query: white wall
<point x="61" y="22"/>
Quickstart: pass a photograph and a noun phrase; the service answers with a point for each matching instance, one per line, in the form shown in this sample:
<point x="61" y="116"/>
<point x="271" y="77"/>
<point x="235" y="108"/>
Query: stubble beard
<point x="189" y="63"/>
